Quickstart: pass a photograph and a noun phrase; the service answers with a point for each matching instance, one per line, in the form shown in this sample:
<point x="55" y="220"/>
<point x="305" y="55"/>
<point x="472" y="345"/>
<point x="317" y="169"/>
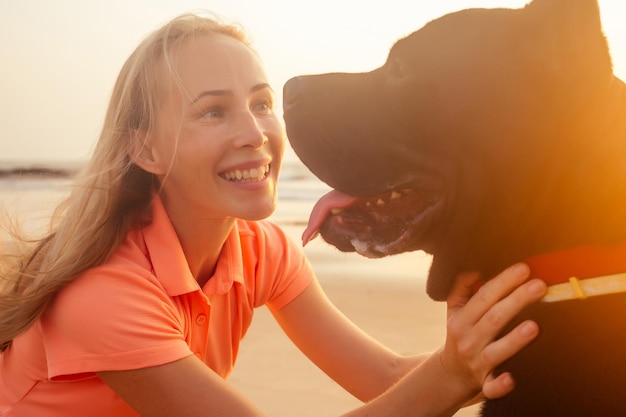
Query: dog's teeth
<point x="395" y="194"/>
<point x="335" y="210"/>
<point x="380" y="202"/>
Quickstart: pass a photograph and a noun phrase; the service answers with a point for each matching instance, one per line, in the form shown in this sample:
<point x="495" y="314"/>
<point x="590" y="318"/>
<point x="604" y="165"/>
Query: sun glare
<point x="66" y="63"/>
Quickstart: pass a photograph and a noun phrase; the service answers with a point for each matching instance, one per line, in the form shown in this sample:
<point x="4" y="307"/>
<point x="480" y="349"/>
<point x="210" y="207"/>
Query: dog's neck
<point x="582" y="262"/>
<point x="587" y="260"/>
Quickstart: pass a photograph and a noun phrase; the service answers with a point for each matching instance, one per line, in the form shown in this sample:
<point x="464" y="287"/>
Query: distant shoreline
<point x="38" y="170"/>
<point x="295" y="181"/>
<point x="291" y="170"/>
<point x="39" y="173"/>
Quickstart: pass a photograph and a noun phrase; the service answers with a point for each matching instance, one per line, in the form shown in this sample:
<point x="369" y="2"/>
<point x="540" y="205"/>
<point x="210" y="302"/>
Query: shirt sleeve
<point x="283" y="271"/>
<point x="112" y="318"/>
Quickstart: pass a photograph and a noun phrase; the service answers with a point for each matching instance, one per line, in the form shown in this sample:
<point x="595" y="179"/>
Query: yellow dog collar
<point x="588" y="287"/>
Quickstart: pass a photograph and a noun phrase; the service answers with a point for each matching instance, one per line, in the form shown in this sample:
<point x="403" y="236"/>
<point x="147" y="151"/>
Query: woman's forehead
<point x="216" y="61"/>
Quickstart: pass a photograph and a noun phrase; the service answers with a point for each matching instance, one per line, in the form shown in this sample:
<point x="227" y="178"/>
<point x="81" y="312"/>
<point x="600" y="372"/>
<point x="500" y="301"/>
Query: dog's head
<point x="457" y="143"/>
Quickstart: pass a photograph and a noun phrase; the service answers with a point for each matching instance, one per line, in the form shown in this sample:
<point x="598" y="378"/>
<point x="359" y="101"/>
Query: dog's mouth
<point x="386" y="224"/>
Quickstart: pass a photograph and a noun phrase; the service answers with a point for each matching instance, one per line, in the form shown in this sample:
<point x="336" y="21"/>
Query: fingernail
<point x="528" y="329"/>
<point x="537" y="287"/>
<point x="507" y="380"/>
<point x="521" y="269"/>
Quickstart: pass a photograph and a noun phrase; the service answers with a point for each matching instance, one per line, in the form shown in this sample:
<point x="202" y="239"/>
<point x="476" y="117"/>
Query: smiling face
<point x="217" y="144"/>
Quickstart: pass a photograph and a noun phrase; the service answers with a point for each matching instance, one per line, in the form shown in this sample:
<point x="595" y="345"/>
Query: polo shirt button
<point x="201" y="319"/>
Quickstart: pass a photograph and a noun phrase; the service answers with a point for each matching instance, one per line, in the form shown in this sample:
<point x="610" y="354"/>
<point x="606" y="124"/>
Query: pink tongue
<point x="331" y="200"/>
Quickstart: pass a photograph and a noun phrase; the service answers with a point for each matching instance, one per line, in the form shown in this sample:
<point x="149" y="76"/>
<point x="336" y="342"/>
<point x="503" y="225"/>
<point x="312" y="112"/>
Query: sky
<point x="60" y="58"/>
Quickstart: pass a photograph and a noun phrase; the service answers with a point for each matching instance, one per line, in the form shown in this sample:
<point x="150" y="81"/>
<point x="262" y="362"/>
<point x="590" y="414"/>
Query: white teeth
<point x="251" y="175"/>
<point x="378" y="201"/>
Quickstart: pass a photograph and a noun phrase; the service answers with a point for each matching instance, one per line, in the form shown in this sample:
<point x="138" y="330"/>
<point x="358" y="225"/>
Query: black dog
<point x="491" y="136"/>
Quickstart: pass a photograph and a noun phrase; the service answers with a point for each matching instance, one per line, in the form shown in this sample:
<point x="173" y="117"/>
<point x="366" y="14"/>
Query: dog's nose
<point x="292" y="89"/>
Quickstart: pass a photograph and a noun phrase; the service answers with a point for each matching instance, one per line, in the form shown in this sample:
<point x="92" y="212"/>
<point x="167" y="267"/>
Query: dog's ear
<point x="571" y="31"/>
<point x="579" y="15"/>
<point x="568" y="48"/>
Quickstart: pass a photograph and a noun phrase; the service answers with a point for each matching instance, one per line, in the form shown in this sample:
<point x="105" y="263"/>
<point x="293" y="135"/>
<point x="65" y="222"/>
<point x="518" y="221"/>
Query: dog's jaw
<point x="381" y="225"/>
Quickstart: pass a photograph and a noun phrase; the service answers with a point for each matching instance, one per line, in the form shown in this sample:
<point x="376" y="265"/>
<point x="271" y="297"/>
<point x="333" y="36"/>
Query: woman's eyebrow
<point x="261" y="86"/>
<point x="212" y="93"/>
<point x="220" y="92"/>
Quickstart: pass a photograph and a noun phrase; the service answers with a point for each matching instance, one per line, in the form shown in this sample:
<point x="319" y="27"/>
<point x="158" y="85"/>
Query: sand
<point x="385" y="297"/>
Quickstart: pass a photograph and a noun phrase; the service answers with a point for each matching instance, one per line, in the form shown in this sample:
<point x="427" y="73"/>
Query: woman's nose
<point x="250" y="131"/>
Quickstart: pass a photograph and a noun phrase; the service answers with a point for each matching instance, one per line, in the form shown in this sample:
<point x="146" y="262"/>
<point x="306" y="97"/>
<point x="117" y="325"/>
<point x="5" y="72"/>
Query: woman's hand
<point x="463" y="367"/>
<point x="471" y="351"/>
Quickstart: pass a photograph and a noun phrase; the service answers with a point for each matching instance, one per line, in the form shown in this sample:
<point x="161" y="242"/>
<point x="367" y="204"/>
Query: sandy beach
<point x="385" y="297"/>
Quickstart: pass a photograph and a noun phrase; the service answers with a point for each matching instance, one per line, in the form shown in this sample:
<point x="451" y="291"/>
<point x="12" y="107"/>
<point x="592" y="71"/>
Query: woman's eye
<point x="263" y="106"/>
<point x="212" y="112"/>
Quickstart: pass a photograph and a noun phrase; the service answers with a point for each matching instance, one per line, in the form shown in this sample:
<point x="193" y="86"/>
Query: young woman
<point x="136" y="301"/>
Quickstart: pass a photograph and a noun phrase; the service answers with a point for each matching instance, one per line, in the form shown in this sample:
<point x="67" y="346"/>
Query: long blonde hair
<point x="110" y="195"/>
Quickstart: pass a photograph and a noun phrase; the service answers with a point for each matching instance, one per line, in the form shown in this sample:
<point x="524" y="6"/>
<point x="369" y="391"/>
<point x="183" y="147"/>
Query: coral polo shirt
<point x="144" y="308"/>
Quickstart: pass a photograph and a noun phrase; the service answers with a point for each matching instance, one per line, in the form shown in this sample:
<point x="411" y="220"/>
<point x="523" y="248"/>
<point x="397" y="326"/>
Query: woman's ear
<point x="142" y="153"/>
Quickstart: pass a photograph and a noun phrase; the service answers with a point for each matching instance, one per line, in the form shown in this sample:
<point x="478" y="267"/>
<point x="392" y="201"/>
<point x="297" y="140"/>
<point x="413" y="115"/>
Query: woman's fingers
<point x="462" y="291"/>
<point x="495" y="303"/>
<point x="476" y="321"/>
<point x="499" y="386"/>
<point x="503" y="348"/>
<point x="502" y="311"/>
<point x="496" y="289"/>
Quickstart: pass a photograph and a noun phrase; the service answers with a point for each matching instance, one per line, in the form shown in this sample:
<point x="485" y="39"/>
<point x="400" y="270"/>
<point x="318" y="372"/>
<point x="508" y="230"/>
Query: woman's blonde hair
<point x="110" y="194"/>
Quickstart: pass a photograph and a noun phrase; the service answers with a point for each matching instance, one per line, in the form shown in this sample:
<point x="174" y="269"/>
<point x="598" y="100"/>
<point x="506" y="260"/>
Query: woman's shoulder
<point x="123" y="289"/>
<point x="127" y="270"/>
<point x="130" y="259"/>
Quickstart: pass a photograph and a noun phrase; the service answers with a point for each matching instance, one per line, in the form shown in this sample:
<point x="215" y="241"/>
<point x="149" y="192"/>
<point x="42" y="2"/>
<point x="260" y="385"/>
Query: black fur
<point x="510" y="127"/>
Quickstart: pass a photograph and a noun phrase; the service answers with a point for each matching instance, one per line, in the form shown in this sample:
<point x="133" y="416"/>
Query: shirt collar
<point x="170" y="265"/>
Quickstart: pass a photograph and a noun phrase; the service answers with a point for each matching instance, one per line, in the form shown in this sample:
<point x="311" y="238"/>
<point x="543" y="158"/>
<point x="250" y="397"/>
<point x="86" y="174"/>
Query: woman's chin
<point x="260" y="211"/>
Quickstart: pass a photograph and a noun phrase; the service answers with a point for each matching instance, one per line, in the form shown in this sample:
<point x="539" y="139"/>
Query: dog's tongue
<point x="333" y="199"/>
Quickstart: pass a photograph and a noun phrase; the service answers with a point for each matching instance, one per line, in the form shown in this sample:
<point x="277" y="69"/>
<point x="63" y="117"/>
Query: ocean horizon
<point x="296" y="182"/>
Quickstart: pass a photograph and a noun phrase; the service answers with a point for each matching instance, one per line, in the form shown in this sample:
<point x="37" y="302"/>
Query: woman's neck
<point x="202" y="243"/>
<point x="201" y="239"/>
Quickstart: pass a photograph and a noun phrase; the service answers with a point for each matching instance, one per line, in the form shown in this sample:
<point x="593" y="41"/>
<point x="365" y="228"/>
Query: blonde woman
<point x="136" y="301"/>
